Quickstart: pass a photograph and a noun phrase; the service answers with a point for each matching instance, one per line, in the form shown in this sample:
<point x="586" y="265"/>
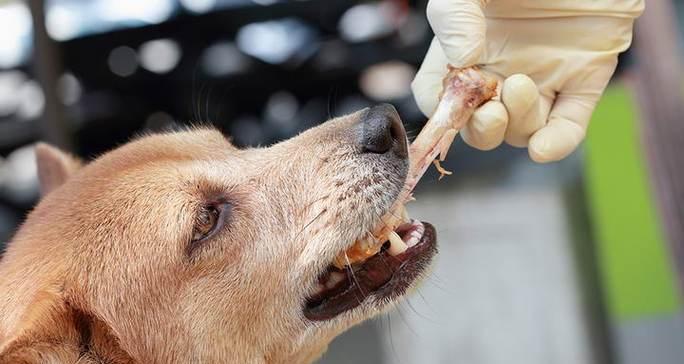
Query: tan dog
<point x="180" y="248"/>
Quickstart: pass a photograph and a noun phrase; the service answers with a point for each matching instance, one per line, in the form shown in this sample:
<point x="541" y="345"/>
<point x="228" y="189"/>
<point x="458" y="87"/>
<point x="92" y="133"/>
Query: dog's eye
<point x="206" y="221"/>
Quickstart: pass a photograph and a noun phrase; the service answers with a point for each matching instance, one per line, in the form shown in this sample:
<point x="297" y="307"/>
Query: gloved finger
<point x="527" y="110"/>
<point x="565" y="130"/>
<point x="460" y="27"/>
<point x="570" y="115"/>
<point x="427" y="84"/>
<point x="487" y="126"/>
<point x="556" y="140"/>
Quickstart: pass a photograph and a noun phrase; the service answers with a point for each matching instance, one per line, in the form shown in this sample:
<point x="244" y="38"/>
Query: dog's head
<point x="179" y="247"/>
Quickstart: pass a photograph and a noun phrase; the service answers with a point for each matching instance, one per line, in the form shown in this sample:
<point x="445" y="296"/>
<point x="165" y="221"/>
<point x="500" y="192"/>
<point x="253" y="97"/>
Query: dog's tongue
<point x="464" y="90"/>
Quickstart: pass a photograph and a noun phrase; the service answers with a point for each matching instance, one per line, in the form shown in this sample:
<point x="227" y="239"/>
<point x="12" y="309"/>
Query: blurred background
<point x="580" y="261"/>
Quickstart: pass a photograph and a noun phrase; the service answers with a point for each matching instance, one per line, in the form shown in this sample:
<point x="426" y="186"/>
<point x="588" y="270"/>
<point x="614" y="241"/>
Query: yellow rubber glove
<point x="555" y="58"/>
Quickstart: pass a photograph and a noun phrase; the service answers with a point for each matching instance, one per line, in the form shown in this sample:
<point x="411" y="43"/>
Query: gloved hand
<point x="555" y="58"/>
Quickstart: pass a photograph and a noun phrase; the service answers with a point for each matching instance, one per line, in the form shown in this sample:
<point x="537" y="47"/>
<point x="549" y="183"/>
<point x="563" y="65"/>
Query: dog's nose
<point x="383" y="131"/>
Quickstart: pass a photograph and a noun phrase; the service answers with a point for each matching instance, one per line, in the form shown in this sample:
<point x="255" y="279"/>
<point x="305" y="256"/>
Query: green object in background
<point x="633" y="255"/>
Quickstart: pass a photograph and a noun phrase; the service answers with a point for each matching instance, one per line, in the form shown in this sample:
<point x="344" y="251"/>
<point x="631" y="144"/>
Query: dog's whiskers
<point x="310" y="222"/>
<point x="391" y="335"/>
<point x="408" y="302"/>
<point x="350" y="270"/>
<point x="303" y="210"/>
<point x="403" y="318"/>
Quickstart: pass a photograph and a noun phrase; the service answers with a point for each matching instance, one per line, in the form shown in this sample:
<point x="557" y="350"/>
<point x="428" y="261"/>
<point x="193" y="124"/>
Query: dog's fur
<point x="104" y="271"/>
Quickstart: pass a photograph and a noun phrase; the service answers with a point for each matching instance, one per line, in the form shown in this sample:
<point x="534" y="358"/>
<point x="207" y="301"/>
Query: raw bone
<point x="464" y="90"/>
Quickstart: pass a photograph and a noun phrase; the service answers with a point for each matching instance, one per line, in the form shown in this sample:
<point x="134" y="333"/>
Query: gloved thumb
<point x="427" y="84"/>
<point x="460" y="27"/>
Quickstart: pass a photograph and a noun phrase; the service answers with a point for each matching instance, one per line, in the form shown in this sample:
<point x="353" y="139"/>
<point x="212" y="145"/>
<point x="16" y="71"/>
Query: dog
<point x="181" y="248"/>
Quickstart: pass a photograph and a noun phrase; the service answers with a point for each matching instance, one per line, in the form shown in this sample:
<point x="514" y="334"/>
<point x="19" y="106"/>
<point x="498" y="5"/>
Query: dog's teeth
<point x="397" y="246"/>
<point x="413" y="240"/>
<point x="366" y="243"/>
<point x="319" y="289"/>
<point x="415" y="236"/>
<point x="334" y="279"/>
<point x="404" y="214"/>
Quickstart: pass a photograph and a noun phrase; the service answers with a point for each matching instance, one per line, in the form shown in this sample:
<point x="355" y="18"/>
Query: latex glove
<point x="555" y="58"/>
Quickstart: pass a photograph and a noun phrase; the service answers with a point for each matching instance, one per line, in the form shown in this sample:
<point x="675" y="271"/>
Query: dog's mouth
<point x="383" y="271"/>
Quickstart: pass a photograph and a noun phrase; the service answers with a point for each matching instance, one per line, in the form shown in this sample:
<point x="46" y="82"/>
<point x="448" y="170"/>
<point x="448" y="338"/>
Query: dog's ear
<point x="51" y="330"/>
<point x="46" y="317"/>
<point x="54" y="167"/>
